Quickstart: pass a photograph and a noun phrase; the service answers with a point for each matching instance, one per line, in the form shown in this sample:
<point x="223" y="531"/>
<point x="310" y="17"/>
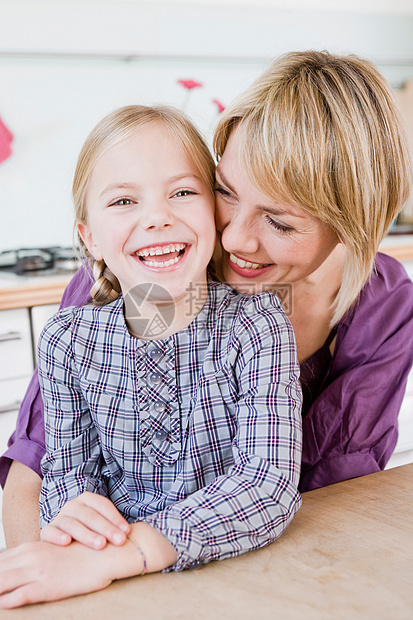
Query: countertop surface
<point x="347" y="554"/>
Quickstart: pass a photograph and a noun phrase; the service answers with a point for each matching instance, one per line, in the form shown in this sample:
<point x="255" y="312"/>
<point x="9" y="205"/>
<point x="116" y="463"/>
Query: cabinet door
<point x="40" y="315"/>
<point x="16" y="357"/>
<point x="403" y="452"/>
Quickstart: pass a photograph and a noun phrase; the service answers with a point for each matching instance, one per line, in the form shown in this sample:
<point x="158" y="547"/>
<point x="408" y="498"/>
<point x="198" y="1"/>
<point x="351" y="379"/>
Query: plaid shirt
<point x="198" y="434"/>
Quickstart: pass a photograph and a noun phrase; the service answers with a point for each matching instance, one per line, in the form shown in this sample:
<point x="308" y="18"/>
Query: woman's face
<point x="264" y="242"/>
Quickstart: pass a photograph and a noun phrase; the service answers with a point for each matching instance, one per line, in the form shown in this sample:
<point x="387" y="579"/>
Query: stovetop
<point x="39" y="261"/>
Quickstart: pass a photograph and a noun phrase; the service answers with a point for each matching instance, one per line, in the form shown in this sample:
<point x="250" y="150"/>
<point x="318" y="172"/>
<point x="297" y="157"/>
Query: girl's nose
<point x="156" y="215"/>
<point x="238" y="235"/>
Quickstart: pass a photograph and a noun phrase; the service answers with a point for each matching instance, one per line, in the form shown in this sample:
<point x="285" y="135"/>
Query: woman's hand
<point x="89" y="519"/>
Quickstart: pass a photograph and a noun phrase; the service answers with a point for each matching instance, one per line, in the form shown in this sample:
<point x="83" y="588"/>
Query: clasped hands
<point x="65" y="563"/>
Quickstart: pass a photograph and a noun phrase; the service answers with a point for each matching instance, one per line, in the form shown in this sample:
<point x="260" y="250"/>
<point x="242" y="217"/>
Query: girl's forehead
<point x="149" y="141"/>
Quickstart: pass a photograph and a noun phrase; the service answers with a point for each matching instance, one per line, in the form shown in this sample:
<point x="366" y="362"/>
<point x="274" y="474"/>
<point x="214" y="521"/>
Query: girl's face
<point x="264" y="242"/>
<point x="150" y="216"/>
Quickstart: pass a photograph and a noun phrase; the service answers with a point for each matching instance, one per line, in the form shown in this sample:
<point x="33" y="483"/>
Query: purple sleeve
<point x="351" y="428"/>
<point x="26" y="444"/>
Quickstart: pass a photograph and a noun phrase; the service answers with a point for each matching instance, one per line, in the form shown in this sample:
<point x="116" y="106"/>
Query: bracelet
<point x="142" y="554"/>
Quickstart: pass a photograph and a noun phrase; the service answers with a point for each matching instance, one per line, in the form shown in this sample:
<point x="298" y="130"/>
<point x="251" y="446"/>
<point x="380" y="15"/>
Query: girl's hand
<point x="38" y="571"/>
<point x="89" y="519"/>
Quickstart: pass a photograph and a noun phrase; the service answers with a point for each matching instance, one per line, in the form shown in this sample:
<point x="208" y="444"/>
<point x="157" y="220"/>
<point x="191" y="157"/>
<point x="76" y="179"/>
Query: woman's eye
<point x="280" y="227"/>
<point x="222" y="191"/>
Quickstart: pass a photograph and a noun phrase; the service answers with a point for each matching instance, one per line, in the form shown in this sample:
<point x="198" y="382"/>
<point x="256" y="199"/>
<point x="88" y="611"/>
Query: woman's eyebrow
<point x="224" y="180"/>
<point x="283" y="210"/>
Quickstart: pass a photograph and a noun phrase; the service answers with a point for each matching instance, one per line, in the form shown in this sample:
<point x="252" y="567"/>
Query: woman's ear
<point x="87" y="237"/>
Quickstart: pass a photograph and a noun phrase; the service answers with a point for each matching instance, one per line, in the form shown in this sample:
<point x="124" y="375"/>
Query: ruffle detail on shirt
<point x="159" y="413"/>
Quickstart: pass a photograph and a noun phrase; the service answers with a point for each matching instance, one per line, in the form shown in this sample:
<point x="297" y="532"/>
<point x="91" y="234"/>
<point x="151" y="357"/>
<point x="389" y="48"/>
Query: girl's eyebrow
<point x="184" y="175"/>
<point x="178" y="177"/>
<point x="113" y="186"/>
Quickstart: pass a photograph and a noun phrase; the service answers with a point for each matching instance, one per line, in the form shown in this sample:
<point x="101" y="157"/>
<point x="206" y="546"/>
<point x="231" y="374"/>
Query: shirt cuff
<point x="182" y="537"/>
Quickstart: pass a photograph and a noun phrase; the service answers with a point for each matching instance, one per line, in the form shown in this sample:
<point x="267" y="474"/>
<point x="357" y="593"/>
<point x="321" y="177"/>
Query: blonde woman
<point x="313" y="168"/>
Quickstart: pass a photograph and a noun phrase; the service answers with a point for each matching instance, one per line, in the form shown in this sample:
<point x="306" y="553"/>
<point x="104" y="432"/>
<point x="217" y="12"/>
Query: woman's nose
<point x="156" y="215"/>
<point x="238" y="235"/>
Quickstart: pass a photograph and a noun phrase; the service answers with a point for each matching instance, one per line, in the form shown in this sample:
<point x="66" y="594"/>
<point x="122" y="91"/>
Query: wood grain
<point x="347" y="555"/>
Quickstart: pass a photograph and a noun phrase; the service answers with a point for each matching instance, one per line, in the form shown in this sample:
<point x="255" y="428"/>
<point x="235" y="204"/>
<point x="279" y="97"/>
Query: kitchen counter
<point x="27" y="291"/>
<point x="398" y="246"/>
<point x="347" y="554"/>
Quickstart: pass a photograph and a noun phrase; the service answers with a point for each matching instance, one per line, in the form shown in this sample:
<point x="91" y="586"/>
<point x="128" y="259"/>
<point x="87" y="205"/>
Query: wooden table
<point x="347" y="555"/>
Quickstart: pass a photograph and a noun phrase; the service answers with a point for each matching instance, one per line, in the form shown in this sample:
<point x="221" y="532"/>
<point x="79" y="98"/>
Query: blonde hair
<point x="324" y="132"/>
<point x="113" y="129"/>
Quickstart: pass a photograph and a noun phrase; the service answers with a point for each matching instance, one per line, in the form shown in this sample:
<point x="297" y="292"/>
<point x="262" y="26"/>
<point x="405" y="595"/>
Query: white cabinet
<point x="39" y="318"/>
<point x="16" y="357"/>
<point x="16" y="368"/>
<point x="403" y="452"/>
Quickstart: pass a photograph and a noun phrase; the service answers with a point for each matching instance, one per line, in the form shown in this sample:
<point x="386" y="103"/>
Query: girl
<point x="194" y="437"/>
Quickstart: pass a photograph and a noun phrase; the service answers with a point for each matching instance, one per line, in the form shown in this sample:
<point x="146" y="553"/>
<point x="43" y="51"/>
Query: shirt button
<point x="155" y="378"/>
<point x="195" y="565"/>
<point x="155" y="354"/>
<point x="161" y="435"/>
<point x="159" y="406"/>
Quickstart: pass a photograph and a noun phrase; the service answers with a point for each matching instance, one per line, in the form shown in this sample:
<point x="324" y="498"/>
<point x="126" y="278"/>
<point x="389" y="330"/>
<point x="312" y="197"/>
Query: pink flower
<point x="219" y="105"/>
<point x="6" y="138"/>
<point x="190" y="84"/>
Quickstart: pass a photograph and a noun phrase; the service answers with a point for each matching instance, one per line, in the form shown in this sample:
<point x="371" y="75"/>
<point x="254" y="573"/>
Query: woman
<point x="313" y="169"/>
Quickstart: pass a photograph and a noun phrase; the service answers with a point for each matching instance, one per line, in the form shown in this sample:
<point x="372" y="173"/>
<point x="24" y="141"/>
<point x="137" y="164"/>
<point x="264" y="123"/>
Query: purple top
<point x="352" y="399"/>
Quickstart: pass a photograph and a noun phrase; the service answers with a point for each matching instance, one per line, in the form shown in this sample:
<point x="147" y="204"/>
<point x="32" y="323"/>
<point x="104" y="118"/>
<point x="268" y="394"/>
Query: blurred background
<point x="64" y="64"/>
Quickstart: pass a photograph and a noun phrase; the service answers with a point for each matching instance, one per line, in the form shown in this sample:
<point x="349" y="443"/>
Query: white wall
<point x="63" y="65"/>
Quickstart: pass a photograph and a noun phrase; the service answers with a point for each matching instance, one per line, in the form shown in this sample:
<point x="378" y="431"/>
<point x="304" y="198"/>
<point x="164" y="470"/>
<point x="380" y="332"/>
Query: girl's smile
<point x="162" y="256"/>
<point x="150" y="215"/>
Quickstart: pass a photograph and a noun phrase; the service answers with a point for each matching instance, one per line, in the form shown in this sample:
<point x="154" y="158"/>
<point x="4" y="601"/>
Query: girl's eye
<point x="184" y="192"/>
<point x="121" y="202"/>
<point x="280" y="227"/>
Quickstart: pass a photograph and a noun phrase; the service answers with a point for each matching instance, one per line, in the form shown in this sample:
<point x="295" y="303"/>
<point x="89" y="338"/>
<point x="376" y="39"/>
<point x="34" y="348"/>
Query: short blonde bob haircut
<point x="115" y="128"/>
<point x="324" y="132"/>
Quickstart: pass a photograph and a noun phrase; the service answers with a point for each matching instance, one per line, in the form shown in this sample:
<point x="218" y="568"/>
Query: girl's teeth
<point x="158" y="263"/>
<point x="157" y="251"/>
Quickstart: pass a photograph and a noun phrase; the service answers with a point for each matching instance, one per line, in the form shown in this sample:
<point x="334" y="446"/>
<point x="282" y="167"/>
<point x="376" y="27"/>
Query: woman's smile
<point x="246" y="268"/>
<point x="260" y="234"/>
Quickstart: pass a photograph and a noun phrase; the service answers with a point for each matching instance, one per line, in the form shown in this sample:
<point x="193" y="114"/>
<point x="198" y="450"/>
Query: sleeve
<point x="26" y="445"/>
<point x="252" y="504"/>
<point x="72" y="461"/>
<point x="351" y="428"/>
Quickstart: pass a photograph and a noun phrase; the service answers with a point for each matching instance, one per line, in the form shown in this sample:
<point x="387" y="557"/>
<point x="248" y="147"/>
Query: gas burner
<point x="39" y="261"/>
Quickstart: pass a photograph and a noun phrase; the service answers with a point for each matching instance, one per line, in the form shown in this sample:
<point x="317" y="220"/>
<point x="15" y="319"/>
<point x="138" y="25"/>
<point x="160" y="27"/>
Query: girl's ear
<point x="87" y="237"/>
